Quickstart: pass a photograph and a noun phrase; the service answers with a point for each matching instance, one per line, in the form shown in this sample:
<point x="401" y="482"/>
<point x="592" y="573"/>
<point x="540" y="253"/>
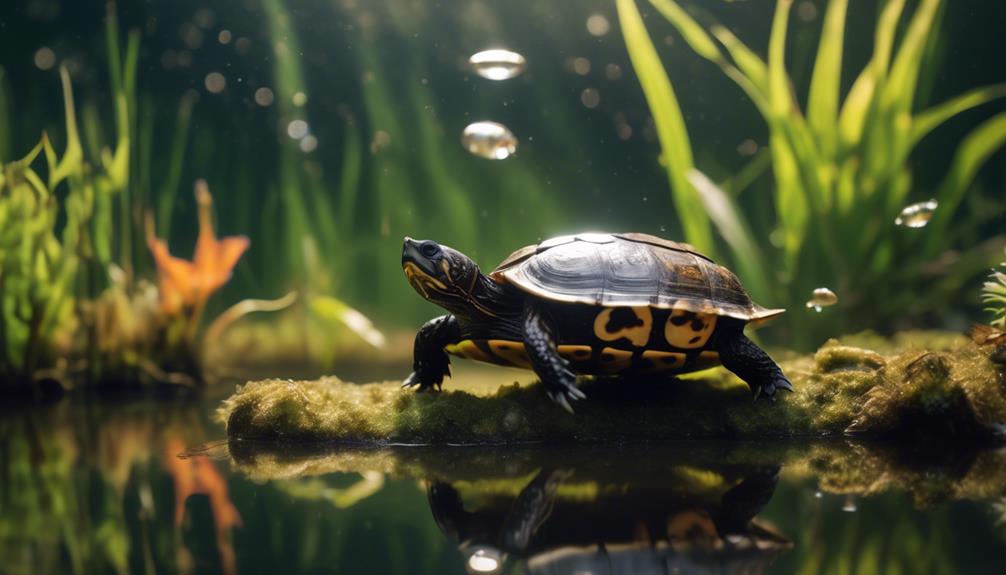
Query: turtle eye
<point x="429" y="250"/>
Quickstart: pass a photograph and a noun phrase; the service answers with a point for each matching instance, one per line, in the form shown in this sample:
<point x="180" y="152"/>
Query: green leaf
<point x="734" y="229"/>
<point x="335" y="310"/>
<point x="670" y="123"/>
<point x="73" y="156"/>
<point x="822" y="103"/>
<point x="974" y="150"/>
<point x="693" y="33"/>
<point x="931" y="119"/>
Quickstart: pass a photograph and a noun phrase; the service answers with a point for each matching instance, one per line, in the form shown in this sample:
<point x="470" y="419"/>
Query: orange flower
<point x="185" y="284"/>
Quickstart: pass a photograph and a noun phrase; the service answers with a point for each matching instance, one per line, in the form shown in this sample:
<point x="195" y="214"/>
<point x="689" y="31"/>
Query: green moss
<point x="840" y="390"/>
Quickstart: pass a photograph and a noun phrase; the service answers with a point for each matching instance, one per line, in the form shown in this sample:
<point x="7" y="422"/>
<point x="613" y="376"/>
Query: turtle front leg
<point x="552" y="369"/>
<point x="750" y="362"/>
<point x="429" y="360"/>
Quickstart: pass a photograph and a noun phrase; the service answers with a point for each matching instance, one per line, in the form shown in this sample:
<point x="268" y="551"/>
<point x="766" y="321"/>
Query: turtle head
<point x="441" y="275"/>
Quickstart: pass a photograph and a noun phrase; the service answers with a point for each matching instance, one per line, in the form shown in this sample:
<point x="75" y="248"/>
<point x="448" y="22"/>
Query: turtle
<point x="591" y="303"/>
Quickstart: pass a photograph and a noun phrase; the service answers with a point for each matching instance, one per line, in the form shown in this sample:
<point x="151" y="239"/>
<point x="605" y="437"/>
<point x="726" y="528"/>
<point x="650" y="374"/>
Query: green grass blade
<point x="735" y="231"/>
<point x="176" y="158"/>
<point x="974" y="150"/>
<point x="73" y="156"/>
<point x="670" y="122"/>
<point x="860" y="100"/>
<point x="780" y="98"/>
<point x="753" y="67"/>
<point x="822" y="103"/>
<point x="931" y="119"/>
<point x="693" y="33"/>
<point x="349" y="181"/>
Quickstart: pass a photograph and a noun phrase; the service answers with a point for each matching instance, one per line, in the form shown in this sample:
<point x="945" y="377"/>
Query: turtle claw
<point x="416" y="379"/>
<point x="564" y="392"/>
<point x="769" y="389"/>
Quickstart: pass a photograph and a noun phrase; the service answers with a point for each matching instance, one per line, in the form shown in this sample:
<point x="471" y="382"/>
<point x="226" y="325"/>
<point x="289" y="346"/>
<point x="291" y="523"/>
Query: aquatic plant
<point x="840" y="168"/>
<point x="38" y="267"/>
<point x="994" y="296"/>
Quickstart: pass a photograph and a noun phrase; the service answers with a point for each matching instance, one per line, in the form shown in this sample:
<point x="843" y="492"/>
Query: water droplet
<point x="598" y="25"/>
<point x="242" y="45"/>
<point x="484" y="560"/>
<point x="215" y="82"/>
<point x="806" y="11"/>
<point x="299" y="99"/>
<point x="581" y="66"/>
<point x="822" y="297"/>
<point x="308" y="143"/>
<point x="590" y="98"/>
<point x="224" y="37"/>
<point x="264" y="97"/>
<point x="849" y="505"/>
<point x="818" y="495"/>
<point x="297" y="129"/>
<point x="489" y="140"/>
<point x="613" y="71"/>
<point x="748" y="148"/>
<point x="204" y="17"/>
<point x="380" y="141"/>
<point x="45" y="58"/>
<point x="917" y="215"/>
<point x="497" y="64"/>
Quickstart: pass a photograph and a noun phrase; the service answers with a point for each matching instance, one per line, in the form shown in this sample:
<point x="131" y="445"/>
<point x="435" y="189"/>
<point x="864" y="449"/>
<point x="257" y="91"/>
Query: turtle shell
<point x="629" y="269"/>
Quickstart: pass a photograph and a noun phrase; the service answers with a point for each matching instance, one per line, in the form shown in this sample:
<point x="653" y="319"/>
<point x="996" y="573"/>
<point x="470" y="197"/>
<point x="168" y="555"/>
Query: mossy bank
<point x="917" y="386"/>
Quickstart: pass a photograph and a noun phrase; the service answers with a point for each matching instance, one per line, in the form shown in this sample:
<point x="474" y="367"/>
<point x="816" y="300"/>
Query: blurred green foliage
<point x="840" y="168"/>
<point x="994" y="296"/>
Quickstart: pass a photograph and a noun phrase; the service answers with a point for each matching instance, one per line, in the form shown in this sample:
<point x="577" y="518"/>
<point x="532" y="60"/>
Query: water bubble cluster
<point x="822" y="297"/>
<point x="490" y="140"/>
<point x="916" y="215"/>
<point x="497" y="64"/>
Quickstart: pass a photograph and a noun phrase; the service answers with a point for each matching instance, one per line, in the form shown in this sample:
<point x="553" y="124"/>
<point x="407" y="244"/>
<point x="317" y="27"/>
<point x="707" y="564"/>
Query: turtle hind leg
<point x="430" y="362"/>
<point x="540" y="346"/>
<point x="750" y="362"/>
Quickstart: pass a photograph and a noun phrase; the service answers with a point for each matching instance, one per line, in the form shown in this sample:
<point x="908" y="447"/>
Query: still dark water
<point x="89" y="486"/>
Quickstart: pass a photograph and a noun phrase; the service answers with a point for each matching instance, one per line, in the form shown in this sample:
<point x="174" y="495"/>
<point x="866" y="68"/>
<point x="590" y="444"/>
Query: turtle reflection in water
<point x="560" y="523"/>
<point x="587" y="304"/>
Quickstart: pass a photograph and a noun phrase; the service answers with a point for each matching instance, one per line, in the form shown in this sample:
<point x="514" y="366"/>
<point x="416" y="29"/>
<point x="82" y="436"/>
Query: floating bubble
<point x="598" y="25"/>
<point x="299" y="99"/>
<point x="204" y="17"/>
<point x="308" y="143"/>
<point x="45" y="58"/>
<point x="849" y="505"/>
<point x="224" y="37"/>
<point x="917" y="215"/>
<point x="489" y="140"/>
<point x="484" y="560"/>
<point x="242" y="45"/>
<point x="497" y="64"/>
<point x="748" y="147"/>
<point x="581" y="66"/>
<point x="590" y="98"/>
<point x="806" y="11"/>
<point x="613" y="71"/>
<point x="264" y="97"/>
<point x="297" y="129"/>
<point x="818" y="495"/>
<point x="215" y="82"/>
<point x="822" y="297"/>
<point x="380" y="141"/>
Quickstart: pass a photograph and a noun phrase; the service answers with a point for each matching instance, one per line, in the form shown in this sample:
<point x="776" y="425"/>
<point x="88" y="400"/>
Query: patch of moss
<point x="841" y="389"/>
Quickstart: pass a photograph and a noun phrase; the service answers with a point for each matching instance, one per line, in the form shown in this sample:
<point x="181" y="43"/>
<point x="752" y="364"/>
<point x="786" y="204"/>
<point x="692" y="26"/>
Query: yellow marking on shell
<point x="707" y="359"/>
<point x="511" y="351"/>
<point x="686" y="336"/>
<point x="639" y="335"/>
<point x="468" y="350"/>
<point x="691" y="526"/>
<point x="576" y="352"/>
<point x="614" y="360"/>
<point x="664" y="360"/>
